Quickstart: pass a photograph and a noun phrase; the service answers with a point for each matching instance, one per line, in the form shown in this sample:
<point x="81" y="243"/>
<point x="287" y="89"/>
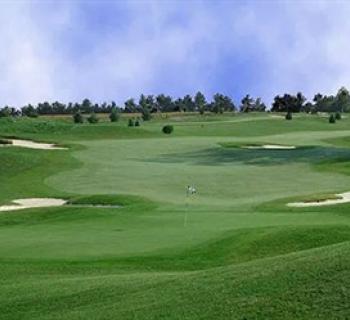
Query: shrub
<point x="338" y="116"/>
<point x="168" y="129"/>
<point x="92" y="118"/>
<point x="137" y="123"/>
<point x="114" y="116"/>
<point x="289" y="116"/>
<point x="146" y="114"/>
<point x="131" y="123"/>
<point x="78" y="117"/>
<point x="332" y="118"/>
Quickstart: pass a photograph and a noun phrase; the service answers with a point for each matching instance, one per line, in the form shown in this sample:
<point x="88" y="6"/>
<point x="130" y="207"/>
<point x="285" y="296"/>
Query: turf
<point x="232" y="251"/>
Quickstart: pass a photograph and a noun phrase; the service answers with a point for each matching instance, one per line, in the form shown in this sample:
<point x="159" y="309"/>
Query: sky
<point x="114" y="50"/>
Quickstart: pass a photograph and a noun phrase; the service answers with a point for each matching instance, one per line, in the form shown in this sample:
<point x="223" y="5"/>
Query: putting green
<point x="234" y="250"/>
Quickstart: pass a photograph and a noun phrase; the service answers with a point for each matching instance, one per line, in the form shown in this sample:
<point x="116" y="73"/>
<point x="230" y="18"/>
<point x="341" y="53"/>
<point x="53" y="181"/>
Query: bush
<point x="146" y="114"/>
<point x="338" y="116"/>
<point x="289" y="116"/>
<point x="131" y="123"/>
<point x="114" y="116"/>
<point x="137" y="123"/>
<point x="78" y="118"/>
<point x="332" y="118"/>
<point x="93" y="118"/>
<point x="168" y="129"/>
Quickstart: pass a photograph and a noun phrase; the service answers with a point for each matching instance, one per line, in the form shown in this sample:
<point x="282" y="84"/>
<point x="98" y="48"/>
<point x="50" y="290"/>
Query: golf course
<point x="263" y="236"/>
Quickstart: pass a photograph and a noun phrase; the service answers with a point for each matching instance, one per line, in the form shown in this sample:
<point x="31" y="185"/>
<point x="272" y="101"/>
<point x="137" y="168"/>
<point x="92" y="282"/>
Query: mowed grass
<point x="232" y="251"/>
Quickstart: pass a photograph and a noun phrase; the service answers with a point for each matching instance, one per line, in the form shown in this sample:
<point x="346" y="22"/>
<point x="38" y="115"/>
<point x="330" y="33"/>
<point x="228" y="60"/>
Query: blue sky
<point x="113" y="50"/>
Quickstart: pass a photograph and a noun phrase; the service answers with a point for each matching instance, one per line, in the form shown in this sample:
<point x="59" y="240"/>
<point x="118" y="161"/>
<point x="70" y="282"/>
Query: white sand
<point x="344" y="198"/>
<point x="32" y="145"/>
<point x="270" y="146"/>
<point x="20" y="204"/>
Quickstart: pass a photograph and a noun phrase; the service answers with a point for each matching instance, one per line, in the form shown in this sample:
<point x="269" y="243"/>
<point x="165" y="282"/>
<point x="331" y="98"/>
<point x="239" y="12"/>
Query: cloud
<point x="114" y="50"/>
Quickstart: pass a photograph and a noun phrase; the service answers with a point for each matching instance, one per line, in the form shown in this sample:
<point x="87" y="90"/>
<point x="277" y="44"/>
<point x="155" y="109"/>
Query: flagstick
<point x="185" y="217"/>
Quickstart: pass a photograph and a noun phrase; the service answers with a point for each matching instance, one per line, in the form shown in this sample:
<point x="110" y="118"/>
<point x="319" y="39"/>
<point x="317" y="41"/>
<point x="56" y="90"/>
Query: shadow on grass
<point x="222" y="156"/>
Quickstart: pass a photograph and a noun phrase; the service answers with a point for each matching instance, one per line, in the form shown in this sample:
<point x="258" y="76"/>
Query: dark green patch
<point x="222" y="156"/>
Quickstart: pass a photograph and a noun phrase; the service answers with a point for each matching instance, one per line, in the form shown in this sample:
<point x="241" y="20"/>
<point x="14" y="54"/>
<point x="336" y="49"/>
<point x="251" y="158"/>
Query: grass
<point x="233" y="251"/>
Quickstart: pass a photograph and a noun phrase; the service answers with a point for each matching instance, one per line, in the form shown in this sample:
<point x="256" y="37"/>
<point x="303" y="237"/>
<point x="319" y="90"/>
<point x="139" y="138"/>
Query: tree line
<point x="148" y="104"/>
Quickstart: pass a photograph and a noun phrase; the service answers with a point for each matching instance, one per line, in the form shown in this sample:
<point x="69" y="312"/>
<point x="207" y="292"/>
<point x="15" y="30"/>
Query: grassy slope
<point x="242" y="255"/>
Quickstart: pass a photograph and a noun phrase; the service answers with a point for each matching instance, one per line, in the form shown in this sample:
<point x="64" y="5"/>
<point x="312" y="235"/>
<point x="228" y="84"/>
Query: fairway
<point x="131" y="243"/>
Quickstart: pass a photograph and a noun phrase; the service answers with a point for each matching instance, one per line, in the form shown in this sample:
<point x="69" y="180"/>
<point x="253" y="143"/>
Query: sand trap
<point x="32" y="145"/>
<point x="343" y="198"/>
<point x="20" y="204"/>
<point x="270" y="146"/>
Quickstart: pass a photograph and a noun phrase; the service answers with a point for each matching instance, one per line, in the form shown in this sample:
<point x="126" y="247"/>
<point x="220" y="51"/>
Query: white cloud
<point x="172" y="47"/>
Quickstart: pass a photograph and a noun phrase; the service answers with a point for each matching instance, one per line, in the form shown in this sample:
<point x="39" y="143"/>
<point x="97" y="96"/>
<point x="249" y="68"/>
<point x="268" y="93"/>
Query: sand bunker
<point x="20" y="204"/>
<point x="270" y="146"/>
<point x="32" y="145"/>
<point x="343" y="198"/>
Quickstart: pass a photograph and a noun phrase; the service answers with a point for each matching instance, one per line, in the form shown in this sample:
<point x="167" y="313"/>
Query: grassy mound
<point x="301" y="285"/>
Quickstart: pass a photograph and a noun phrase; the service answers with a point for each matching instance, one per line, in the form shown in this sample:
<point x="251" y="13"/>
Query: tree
<point x="247" y="104"/>
<point x="259" y="105"/>
<point x="145" y="107"/>
<point x="338" y="116"/>
<point x="78" y="118"/>
<point x="324" y="103"/>
<point x="179" y="105"/>
<point x="143" y="102"/>
<point x="164" y="103"/>
<point x="58" y="108"/>
<point x="146" y="114"/>
<point x="29" y="111"/>
<point x="222" y="103"/>
<point x="86" y="106"/>
<point x="331" y="118"/>
<point x="288" y="103"/>
<point x="299" y="104"/>
<point x="342" y="100"/>
<point x="45" y="108"/>
<point x="200" y="102"/>
<point x="130" y="106"/>
<point x="114" y="116"/>
<point x="7" y="112"/>
<point x="188" y="103"/>
<point x="308" y="107"/>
